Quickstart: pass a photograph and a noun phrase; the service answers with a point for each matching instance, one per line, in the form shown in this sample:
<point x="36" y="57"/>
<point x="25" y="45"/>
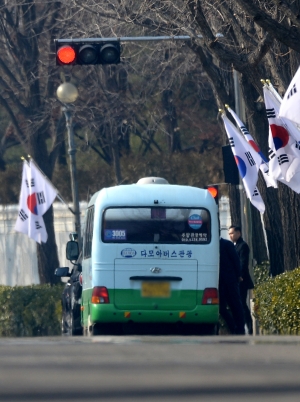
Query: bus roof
<point x="160" y="195"/>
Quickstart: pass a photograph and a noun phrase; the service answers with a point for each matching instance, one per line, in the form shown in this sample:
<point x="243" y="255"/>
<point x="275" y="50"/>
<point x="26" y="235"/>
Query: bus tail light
<point x="210" y="296"/>
<point x="100" y="295"/>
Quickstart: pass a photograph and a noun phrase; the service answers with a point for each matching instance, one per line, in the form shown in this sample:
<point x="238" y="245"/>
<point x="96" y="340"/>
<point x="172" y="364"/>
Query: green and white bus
<point x="150" y="256"/>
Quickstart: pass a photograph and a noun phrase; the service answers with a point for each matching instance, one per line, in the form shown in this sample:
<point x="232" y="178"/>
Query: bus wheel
<point x="106" y="329"/>
<point x="208" y="329"/>
<point x="89" y="330"/>
<point x="92" y="329"/>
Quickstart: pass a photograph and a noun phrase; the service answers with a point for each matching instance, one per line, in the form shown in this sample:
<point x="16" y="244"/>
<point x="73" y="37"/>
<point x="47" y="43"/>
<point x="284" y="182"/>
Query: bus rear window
<point x="156" y="225"/>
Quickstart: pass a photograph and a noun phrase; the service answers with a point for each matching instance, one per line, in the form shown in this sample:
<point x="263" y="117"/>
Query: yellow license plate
<point x="156" y="289"/>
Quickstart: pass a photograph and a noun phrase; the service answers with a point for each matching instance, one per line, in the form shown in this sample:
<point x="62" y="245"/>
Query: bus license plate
<point x="155" y="289"/>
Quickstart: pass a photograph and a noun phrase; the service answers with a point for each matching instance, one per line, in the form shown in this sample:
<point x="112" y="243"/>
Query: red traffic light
<point x="66" y="54"/>
<point x="87" y="53"/>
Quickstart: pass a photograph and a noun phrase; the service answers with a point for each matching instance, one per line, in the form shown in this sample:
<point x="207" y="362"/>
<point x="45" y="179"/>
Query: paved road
<point x="149" y="368"/>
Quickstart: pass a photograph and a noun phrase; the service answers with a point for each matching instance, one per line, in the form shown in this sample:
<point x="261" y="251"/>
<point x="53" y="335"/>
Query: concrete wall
<point x="18" y="252"/>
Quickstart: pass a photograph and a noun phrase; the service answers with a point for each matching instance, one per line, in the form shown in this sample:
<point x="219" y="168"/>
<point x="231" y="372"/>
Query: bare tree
<point x="258" y="40"/>
<point x="25" y="29"/>
<point x="139" y="98"/>
<point x="111" y="108"/>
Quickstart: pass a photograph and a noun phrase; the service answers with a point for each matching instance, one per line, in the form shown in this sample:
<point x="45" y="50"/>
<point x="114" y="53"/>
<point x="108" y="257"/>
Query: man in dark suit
<point x="229" y="293"/>
<point x="246" y="282"/>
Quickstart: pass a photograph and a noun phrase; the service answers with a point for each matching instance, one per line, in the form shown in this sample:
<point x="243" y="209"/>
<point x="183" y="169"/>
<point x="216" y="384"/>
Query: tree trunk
<point x="170" y="121"/>
<point x="47" y="253"/>
<point x="235" y="204"/>
<point x="259" y="248"/>
<point x="289" y="207"/>
<point x="274" y="230"/>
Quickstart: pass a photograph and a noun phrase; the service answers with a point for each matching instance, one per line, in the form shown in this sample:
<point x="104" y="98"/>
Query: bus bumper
<point x="107" y="313"/>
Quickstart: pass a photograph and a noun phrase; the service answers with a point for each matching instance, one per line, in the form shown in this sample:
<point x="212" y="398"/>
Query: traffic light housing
<point x="214" y="192"/>
<point x="83" y="54"/>
<point x="230" y="169"/>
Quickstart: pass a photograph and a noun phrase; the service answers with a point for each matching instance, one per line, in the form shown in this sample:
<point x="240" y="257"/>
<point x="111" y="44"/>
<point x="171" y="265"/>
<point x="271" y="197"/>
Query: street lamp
<point x="67" y="93"/>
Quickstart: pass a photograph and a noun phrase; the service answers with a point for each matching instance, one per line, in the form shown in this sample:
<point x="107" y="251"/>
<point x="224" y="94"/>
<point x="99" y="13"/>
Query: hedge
<point x="277" y="301"/>
<point x="30" y="310"/>
<point x="36" y="310"/>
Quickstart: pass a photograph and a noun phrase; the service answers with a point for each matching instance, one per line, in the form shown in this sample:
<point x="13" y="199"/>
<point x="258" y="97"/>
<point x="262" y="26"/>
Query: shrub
<point x="261" y="273"/>
<point x="277" y="304"/>
<point x="30" y="310"/>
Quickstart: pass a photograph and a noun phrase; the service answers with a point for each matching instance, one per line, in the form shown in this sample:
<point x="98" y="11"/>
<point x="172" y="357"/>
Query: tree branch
<point x="291" y="12"/>
<point x="14" y="121"/>
<point x="289" y="36"/>
<point x="15" y="100"/>
<point x="263" y="47"/>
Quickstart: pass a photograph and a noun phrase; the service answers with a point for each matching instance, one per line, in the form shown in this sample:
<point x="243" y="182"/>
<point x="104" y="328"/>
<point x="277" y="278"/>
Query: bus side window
<point x="87" y="246"/>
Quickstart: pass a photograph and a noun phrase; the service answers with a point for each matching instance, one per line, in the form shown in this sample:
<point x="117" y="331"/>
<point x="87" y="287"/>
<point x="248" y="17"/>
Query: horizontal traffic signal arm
<point x="85" y="51"/>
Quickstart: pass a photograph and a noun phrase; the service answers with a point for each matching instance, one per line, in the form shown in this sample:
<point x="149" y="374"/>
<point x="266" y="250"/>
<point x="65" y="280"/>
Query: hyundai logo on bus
<point x="128" y="253"/>
<point x="155" y="270"/>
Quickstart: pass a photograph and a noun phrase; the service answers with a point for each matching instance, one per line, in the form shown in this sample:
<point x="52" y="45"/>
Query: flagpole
<point x="273" y="90"/>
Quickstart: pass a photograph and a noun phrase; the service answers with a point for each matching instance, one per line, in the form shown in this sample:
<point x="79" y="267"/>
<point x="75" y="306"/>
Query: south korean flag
<point x="28" y="220"/>
<point x="263" y="164"/>
<point x="36" y="197"/>
<point x="281" y="142"/>
<point x="290" y="106"/>
<point x="247" y="161"/>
